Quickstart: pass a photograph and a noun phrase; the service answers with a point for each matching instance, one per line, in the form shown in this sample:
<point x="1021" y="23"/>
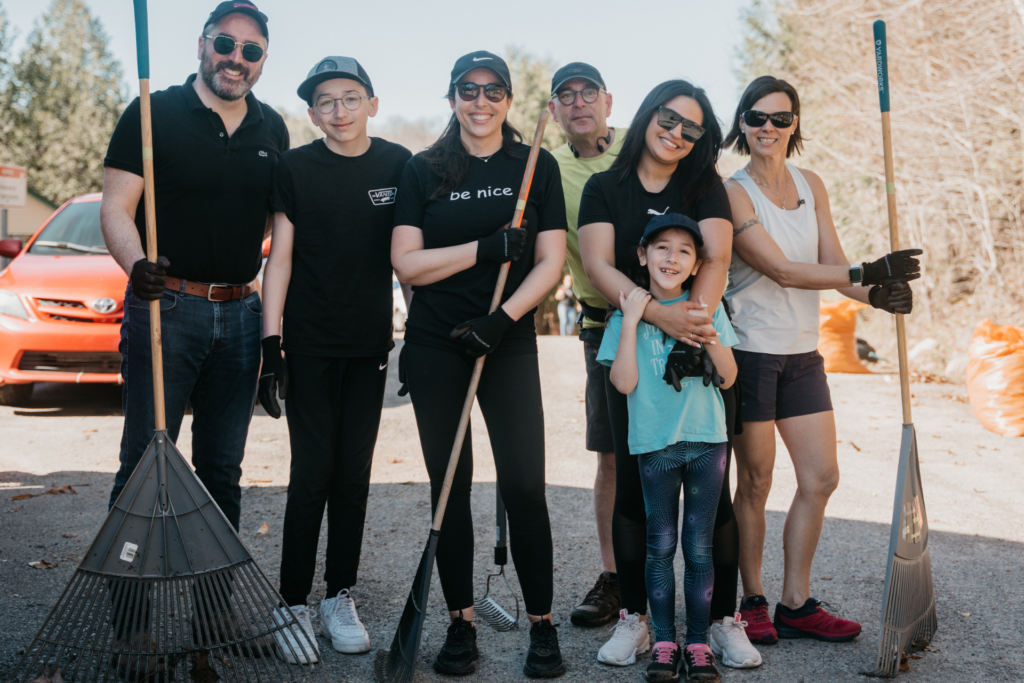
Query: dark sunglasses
<point x="470" y="91"/>
<point x="223" y="45"/>
<point x="756" y="119"/>
<point x="669" y="119"/>
<point x="568" y="96"/>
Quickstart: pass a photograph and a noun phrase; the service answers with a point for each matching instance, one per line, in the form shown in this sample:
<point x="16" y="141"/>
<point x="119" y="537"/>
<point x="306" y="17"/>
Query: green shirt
<point x="575" y="174"/>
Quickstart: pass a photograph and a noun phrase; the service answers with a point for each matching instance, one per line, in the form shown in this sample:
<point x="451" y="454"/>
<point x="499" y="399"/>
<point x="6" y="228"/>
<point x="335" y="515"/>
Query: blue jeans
<point x="211" y="361"/>
<point x="699" y="469"/>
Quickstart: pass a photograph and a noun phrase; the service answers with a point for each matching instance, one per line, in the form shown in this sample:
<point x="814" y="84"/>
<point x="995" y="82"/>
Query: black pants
<point x="629" y="520"/>
<point x="510" y="399"/>
<point x="333" y="409"/>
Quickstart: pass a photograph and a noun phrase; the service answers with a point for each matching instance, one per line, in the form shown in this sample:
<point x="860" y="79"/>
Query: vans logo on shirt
<point x="383" y="196"/>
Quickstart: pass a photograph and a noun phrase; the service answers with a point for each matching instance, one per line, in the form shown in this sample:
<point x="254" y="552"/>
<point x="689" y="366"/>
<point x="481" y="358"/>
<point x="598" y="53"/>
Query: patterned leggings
<point x="701" y="468"/>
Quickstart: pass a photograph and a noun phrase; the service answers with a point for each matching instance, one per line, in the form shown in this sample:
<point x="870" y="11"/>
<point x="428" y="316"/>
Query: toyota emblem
<point x="104" y="305"/>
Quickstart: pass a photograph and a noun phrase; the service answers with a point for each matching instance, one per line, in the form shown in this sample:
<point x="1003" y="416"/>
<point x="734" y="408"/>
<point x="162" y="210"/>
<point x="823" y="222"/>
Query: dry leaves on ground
<point x="42" y="564"/>
<point x="47" y="678"/>
<point x="202" y="672"/>
<point x="67" y="488"/>
<point x="264" y="528"/>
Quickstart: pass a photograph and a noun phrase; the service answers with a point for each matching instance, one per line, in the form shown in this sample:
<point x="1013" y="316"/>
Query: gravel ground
<point x="70" y="435"/>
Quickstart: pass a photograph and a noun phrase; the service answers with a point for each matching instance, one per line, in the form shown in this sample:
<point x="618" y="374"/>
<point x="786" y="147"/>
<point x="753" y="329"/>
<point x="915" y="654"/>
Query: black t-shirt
<point x="340" y="297"/>
<point x="212" y="191"/>
<point x="629" y="207"/>
<point x="482" y="204"/>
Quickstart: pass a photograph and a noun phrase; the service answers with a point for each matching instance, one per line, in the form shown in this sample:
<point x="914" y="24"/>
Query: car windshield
<point x="75" y="230"/>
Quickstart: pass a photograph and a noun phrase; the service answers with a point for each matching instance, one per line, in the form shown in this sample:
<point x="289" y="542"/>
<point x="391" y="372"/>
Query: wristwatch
<point x="856" y="274"/>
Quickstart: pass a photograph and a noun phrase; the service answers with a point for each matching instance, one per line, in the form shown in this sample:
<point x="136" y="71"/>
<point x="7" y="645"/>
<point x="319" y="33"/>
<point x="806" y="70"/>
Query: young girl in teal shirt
<point x="679" y="437"/>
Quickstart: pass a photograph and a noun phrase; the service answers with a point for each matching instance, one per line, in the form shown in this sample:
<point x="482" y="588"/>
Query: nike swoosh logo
<point x="482" y="59"/>
<point x="383" y="365"/>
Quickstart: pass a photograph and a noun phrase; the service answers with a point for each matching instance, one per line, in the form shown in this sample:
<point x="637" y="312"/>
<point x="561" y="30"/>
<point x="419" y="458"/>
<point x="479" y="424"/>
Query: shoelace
<point x="737" y="624"/>
<point x="700" y="655"/>
<point x="599" y="593"/>
<point x="344" y="609"/>
<point x="629" y="625"/>
<point x="663" y="654"/>
<point x="544" y="639"/>
<point x="760" y="614"/>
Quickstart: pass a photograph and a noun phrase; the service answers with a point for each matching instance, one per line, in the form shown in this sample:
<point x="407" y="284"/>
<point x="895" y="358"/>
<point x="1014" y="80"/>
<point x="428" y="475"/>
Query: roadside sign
<point x="13" y="187"/>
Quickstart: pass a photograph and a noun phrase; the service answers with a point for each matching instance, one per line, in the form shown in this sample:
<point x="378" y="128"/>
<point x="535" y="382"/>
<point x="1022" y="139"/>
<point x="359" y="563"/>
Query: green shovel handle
<point x="881" y="65"/>
<point x="142" y="37"/>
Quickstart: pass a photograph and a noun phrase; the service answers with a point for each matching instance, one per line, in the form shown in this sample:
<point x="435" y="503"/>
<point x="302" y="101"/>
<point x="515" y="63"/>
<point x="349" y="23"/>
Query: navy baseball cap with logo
<point x="672" y="220"/>
<point x="246" y="8"/>
<point x="333" y="67"/>
<point x="576" y="70"/>
<point x="482" y="59"/>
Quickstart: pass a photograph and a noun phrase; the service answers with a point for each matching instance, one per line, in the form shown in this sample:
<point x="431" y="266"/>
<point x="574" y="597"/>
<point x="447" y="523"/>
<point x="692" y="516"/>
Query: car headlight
<point x="11" y="305"/>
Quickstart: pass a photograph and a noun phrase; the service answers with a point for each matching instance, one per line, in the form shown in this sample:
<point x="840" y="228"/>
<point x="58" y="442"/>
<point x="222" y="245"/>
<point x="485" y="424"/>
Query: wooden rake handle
<point x="882" y="67"/>
<point x="499" y="288"/>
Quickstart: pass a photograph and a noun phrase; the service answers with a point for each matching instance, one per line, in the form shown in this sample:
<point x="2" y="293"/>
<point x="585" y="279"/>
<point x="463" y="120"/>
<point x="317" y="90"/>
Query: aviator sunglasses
<point x="756" y="119"/>
<point x="669" y="119"/>
<point x="225" y="45"/>
<point x="470" y="91"/>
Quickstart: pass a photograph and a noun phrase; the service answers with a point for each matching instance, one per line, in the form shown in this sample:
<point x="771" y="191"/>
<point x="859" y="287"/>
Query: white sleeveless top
<point x="769" y="318"/>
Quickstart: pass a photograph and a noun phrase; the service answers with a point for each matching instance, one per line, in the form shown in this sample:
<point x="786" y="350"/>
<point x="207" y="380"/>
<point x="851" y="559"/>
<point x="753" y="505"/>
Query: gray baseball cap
<point x="333" y="67"/>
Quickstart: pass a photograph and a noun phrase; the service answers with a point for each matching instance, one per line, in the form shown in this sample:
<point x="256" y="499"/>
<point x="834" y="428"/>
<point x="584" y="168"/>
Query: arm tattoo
<point x="749" y="224"/>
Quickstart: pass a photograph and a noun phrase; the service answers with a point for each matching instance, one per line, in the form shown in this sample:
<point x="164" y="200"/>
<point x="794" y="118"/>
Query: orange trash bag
<point x="995" y="377"/>
<point x="837" y="339"/>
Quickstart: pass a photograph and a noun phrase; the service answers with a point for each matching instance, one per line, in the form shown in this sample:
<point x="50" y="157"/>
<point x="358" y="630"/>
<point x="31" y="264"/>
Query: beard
<point x="223" y="88"/>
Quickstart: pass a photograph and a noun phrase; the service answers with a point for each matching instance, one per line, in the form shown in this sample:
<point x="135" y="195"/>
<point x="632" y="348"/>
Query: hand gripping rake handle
<point x="499" y="288"/>
<point x="882" y="67"/>
<point x="155" y="335"/>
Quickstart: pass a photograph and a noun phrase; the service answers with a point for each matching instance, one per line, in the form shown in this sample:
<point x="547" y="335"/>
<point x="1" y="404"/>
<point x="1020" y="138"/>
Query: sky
<point x="408" y="47"/>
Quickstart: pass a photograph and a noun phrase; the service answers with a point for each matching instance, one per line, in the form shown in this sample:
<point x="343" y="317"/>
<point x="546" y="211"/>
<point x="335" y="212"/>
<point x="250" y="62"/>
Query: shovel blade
<point x="398" y="664"/>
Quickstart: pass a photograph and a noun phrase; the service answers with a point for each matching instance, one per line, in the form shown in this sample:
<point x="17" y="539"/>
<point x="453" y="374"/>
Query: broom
<point x="908" y="609"/>
<point x="398" y="664"/>
<point x="167" y="581"/>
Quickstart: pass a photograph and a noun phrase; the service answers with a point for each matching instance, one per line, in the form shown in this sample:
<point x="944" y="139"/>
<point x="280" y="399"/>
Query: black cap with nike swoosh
<point x="482" y="59"/>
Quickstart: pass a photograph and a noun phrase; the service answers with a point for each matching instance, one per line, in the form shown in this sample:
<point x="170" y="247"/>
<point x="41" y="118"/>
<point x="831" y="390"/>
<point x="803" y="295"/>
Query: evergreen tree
<point x="62" y="102"/>
<point x="531" y="90"/>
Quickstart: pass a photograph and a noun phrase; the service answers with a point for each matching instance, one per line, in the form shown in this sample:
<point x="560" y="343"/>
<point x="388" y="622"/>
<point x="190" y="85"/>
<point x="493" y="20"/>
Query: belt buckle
<point x="209" y="292"/>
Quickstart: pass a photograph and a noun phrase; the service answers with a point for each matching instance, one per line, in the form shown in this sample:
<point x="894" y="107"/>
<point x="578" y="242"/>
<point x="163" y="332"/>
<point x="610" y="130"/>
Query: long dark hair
<point x="698" y="170"/>
<point x="763" y="86"/>
<point x="448" y="158"/>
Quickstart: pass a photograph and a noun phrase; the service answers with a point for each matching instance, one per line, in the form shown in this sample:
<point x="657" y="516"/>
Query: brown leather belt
<point x="211" y="292"/>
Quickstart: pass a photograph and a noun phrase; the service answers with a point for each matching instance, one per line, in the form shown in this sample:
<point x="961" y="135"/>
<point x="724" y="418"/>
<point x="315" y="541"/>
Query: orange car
<point x="61" y="303"/>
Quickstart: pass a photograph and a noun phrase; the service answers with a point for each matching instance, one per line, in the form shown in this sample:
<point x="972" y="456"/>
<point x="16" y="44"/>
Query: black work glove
<point x="710" y="372"/>
<point x="403" y="377"/>
<point x="149" y="279"/>
<point x="899" y="266"/>
<point x="683" y="361"/>
<point x="481" y="335"/>
<point x="506" y="244"/>
<point x="892" y="298"/>
<point x="273" y="377"/>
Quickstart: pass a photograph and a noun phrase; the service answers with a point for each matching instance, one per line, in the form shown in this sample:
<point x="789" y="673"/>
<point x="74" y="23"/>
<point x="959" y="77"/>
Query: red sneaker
<point x="754" y="611"/>
<point x="812" y="621"/>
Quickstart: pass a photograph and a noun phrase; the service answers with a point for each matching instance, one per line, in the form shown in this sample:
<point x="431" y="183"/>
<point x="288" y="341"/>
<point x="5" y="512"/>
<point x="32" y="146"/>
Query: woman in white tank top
<point x="785" y="250"/>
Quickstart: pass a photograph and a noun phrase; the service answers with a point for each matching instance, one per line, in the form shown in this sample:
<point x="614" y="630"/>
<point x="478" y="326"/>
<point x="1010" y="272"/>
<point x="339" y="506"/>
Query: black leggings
<point x="510" y="400"/>
<point x="629" y="520"/>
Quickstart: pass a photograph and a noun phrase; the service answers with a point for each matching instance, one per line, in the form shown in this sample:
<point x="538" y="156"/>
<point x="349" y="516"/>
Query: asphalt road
<point x="70" y="435"/>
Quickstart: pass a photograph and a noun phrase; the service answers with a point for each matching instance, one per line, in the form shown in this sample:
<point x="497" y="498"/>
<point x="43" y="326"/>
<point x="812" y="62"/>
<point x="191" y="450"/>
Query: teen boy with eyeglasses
<point x="581" y="104"/>
<point x="329" y="275"/>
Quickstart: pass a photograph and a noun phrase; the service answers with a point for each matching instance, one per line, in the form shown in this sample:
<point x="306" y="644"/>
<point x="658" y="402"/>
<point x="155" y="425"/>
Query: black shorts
<point x="599" y="426"/>
<point x="775" y="387"/>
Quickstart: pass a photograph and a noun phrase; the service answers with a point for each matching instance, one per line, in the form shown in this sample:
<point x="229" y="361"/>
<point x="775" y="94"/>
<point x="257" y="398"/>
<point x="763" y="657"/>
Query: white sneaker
<point x="290" y="646"/>
<point x="340" y="623"/>
<point x="629" y="640"/>
<point x="729" y="642"/>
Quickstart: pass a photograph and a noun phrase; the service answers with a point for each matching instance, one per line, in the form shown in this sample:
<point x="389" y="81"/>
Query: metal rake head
<point x="491" y="612"/>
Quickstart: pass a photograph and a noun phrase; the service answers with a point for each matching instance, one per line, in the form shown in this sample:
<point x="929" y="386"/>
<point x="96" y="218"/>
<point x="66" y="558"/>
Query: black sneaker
<point x="699" y="662"/>
<point x="544" y="660"/>
<point x="601" y="604"/>
<point x="458" y="655"/>
<point x="664" y="666"/>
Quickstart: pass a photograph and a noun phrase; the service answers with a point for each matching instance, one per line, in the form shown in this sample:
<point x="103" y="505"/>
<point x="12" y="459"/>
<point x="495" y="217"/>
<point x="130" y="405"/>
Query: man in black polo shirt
<point x="214" y="148"/>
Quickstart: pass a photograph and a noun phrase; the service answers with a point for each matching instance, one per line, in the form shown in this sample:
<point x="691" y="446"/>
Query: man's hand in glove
<point x="273" y="377"/>
<point x="482" y="335"/>
<point x="899" y="266"/>
<point x="710" y="372"/>
<point x="149" y="279"/>
<point x="683" y="361"/>
<point x="892" y="298"/>
<point x="506" y="244"/>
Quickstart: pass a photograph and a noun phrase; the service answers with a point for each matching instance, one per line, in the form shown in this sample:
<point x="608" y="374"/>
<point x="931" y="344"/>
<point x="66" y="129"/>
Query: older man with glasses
<point x="215" y="147"/>
<point x="581" y="104"/>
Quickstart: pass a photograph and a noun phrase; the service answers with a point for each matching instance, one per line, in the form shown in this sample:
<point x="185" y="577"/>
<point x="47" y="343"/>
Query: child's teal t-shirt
<point x="659" y="416"/>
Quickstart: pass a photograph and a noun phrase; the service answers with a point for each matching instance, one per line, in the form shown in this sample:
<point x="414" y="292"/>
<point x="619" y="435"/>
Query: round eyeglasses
<point x="568" y="96"/>
<point x="325" y="105"/>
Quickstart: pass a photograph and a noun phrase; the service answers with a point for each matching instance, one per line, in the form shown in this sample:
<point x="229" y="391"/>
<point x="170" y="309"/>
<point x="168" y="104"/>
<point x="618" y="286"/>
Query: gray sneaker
<point x="601" y="604"/>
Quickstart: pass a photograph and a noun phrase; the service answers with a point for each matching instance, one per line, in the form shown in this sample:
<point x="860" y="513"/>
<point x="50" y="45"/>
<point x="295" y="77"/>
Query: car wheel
<point x="398" y="320"/>
<point x="16" y="395"/>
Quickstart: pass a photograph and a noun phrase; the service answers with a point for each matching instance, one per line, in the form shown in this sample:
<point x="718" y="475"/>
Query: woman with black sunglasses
<point x="449" y="243"/>
<point x="785" y="250"/>
<point x="667" y="165"/>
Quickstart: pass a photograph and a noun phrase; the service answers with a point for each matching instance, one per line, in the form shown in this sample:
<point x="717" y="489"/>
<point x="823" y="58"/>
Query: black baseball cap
<point x="333" y="67"/>
<point x="576" y="70"/>
<point x="482" y="59"/>
<point x="672" y="220"/>
<point x="247" y="8"/>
